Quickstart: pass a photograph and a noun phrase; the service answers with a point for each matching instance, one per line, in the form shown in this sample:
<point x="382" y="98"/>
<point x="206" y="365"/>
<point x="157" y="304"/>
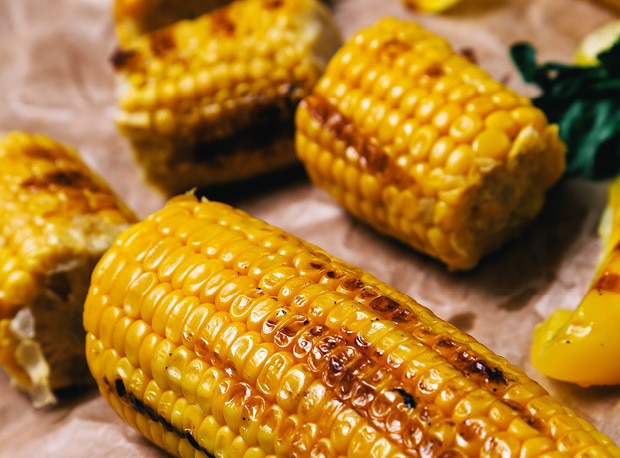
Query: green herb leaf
<point x="584" y="101"/>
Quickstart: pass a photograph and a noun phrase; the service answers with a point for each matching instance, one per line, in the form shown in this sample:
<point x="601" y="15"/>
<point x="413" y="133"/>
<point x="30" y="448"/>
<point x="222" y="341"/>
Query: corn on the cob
<point x="212" y="100"/>
<point x="215" y="334"/>
<point x="57" y="220"/>
<point x="430" y="6"/>
<point x="133" y="18"/>
<point x="582" y="346"/>
<point x="424" y="145"/>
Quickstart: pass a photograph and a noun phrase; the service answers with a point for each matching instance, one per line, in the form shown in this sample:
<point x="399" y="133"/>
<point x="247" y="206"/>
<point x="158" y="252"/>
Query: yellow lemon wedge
<point x="596" y="41"/>
<point x="583" y="346"/>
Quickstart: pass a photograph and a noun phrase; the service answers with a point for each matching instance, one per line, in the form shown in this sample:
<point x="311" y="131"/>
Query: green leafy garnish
<point x="584" y="101"/>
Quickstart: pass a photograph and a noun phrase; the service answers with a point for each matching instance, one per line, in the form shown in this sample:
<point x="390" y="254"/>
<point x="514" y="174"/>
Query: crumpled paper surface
<point x="55" y="78"/>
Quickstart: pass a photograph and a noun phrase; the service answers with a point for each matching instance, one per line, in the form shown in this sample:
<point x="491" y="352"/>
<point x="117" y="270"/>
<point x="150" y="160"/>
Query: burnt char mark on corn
<point x="221" y="22"/>
<point x="272" y="120"/>
<point x="369" y="155"/>
<point x="119" y="389"/>
<point x="56" y="179"/>
<point x="123" y="59"/>
<point x="607" y="281"/>
<point x="162" y="42"/>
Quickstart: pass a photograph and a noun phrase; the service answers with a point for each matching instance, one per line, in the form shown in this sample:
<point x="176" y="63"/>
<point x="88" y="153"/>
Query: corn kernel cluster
<point x="424" y="145"/>
<point x="215" y="334"/>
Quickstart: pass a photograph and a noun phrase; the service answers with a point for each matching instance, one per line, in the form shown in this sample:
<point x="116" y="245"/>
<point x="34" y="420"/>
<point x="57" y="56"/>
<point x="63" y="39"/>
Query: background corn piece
<point x="216" y="334"/>
<point x="57" y="219"/>
<point x="133" y="18"/>
<point x="423" y="145"/>
<point x="212" y="100"/>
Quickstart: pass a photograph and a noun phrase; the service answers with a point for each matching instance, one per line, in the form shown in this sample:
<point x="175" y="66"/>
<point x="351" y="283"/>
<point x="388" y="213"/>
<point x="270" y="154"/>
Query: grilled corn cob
<point x="133" y="18"/>
<point x="212" y="100"/>
<point x="582" y="346"/>
<point x="57" y="220"/>
<point x="430" y="6"/>
<point x="424" y="145"/>
<point x="215" y="334"/>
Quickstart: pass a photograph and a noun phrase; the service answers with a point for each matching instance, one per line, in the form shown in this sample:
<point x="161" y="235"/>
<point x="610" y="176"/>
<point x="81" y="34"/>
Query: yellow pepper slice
<point x="583" y="346"/>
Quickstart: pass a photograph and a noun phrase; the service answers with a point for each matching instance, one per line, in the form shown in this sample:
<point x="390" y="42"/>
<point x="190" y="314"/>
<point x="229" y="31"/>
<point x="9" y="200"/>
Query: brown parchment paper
<point x="55" y="78"/>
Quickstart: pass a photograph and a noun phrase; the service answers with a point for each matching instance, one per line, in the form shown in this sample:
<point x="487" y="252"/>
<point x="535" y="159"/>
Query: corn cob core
<point x="57" y="220"/>
<point x="424" y="145"/>
<point x="215" y="334"/>
<point x="212" y="100"/>
<point x="133" y="18"/>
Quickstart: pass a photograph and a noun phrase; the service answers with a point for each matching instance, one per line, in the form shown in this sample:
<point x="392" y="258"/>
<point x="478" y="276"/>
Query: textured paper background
<point x="55" y="78"/>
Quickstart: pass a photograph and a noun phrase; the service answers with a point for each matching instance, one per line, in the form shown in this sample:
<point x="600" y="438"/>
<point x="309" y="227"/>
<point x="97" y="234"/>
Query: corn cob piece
<point x="210" y="101"/>
<point x="430" y="6"/>
<point x="582" y="345"/>
<point x="423" y="145"/>
<point x="133" y="18"/>
<point x="57" y="220"/>
<point x="216" y="334"/>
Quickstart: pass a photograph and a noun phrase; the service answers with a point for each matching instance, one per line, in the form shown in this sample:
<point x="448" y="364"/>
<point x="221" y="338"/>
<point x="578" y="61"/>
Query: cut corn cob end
<point x="425" y="146"/>
<point x="215" y="334"/>
<point x="57" y="219"/>
<point x="430" y="6"/>
<point x="581" y="346"/>
<point x="212" y="100"/>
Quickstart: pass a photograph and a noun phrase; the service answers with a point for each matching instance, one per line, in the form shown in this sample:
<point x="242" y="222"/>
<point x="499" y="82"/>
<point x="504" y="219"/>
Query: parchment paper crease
<point x="55" y="78"/>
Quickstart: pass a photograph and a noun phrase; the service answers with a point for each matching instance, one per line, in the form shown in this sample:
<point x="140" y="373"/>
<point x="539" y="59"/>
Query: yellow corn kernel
<point x="424" y="120"/>
<point x="327" y="362"/>
<point x="58" y="218"/>
<point x="211" y="99"/>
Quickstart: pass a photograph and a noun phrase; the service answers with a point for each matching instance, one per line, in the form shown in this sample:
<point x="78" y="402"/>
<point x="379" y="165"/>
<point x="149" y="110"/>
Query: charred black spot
<point x="408" y="398"/>
<point x="492" y="374"/>
<point x="120" y="388"/>
<point x="316" y="265"/>
<point x="121" y="58"/>
<point x="137" y="405"/>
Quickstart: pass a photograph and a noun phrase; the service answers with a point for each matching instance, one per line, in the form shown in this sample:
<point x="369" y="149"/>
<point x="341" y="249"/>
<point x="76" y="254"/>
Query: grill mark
<point x="68" y="179"/>
<point x="141" y="408"/>
<point x="363" y="151"/>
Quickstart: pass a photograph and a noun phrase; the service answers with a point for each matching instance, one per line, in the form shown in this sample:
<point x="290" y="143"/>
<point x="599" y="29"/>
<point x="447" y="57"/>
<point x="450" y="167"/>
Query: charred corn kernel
<point x="58" y="218"/>
<point x="211" y="100"/>
<point x="582" y="345"/>
<point x="327" y="361"/>
<point x="474" y="158"/>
